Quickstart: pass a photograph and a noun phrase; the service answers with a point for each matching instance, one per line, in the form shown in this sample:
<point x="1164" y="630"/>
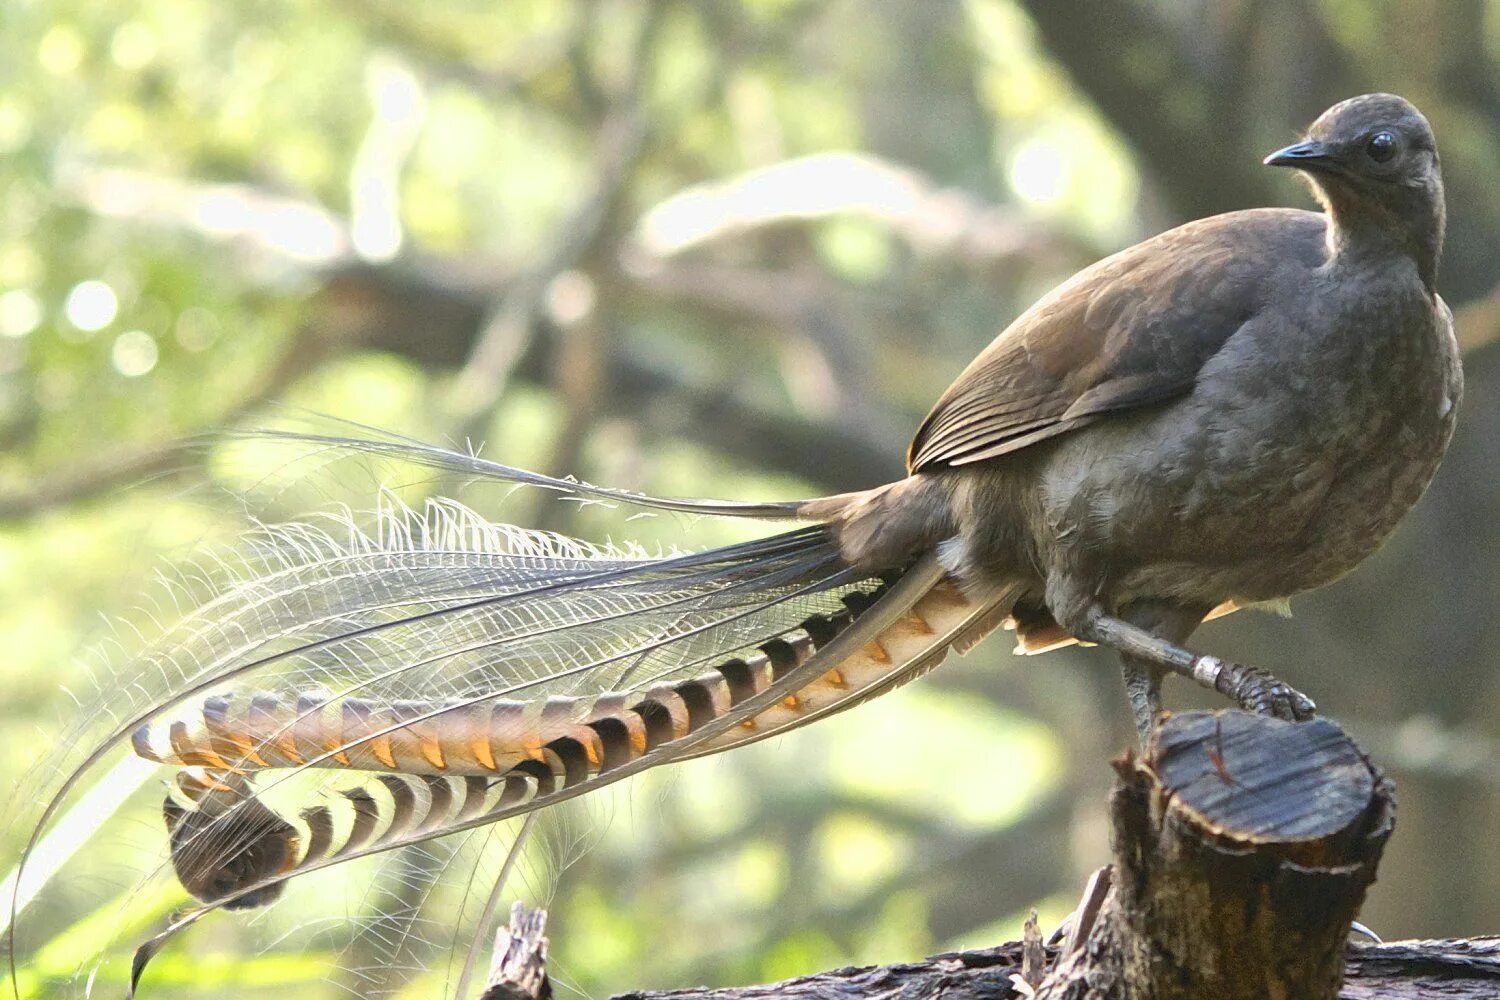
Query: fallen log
<point x="1454" y="969"/>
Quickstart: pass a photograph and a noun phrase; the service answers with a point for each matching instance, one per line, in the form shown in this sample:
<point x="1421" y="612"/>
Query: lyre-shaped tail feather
<point x="324" y="441"/>
<point x="570" y="736"/>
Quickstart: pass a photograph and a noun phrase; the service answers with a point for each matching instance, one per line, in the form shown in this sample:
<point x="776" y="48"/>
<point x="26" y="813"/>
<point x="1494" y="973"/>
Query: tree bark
<point x="1403" y="970"/>
<point x="519" y="968"/>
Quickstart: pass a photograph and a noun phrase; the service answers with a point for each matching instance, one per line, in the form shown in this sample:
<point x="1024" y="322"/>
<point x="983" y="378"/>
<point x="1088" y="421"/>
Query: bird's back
<point x="1131" y="330"/>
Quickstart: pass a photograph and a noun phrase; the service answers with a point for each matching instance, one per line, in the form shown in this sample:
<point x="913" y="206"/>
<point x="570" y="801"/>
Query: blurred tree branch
<point x="503" y="337"/>
<point x="621" y="141"/>
<point x="431" y="310"/>
<point x="431" y="318"/>
<point x="115" y="468"/>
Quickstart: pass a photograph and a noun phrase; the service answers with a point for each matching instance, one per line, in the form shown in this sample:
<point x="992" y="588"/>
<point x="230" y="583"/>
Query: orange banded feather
<point x="241" y="733"/>
<point x="232" y="849"/>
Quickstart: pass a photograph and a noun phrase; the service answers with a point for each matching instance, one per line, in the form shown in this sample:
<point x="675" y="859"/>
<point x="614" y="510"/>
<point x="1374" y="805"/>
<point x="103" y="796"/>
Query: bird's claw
<point x="1256" y="691"/>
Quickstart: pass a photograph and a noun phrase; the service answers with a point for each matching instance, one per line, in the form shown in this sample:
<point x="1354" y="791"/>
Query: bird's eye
<point x="1381" y="147"/>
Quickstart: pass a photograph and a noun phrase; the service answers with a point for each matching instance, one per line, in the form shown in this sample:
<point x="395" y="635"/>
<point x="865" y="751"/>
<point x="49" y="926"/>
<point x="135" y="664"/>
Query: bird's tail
<point x="359" y="687"/>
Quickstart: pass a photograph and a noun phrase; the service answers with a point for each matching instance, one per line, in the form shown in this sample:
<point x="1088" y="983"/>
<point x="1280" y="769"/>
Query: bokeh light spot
<point x="133" y="46"/>
<point x="197" y="329"/>
<point x="134" y="353"/>
<point x="91" y="305"/>
<point x="20" y="313"/>
<point x="1037" y="173"/>
<point x="61" y="50"/>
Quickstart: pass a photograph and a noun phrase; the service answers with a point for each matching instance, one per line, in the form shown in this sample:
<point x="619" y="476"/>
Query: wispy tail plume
<point x="364" y="689"/>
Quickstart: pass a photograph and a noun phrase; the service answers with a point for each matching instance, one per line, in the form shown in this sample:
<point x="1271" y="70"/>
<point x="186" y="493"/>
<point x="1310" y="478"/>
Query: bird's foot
<point x="1254" y="690"/>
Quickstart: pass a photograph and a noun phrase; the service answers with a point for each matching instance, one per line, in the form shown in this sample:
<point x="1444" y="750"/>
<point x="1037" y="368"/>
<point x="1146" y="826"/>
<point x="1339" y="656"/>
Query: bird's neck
<point x="1363" y="230"/>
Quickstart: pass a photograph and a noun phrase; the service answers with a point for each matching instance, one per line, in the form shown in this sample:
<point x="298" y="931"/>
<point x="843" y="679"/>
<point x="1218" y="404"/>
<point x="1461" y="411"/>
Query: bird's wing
<point x="1130" y="331"/>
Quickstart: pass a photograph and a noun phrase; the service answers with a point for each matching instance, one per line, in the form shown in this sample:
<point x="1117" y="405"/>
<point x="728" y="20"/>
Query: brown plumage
<point x="1227" y="414"/>
<point x="1131" y="331"/>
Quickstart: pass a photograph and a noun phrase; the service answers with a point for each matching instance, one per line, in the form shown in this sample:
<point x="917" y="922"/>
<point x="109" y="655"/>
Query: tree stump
<point x="1243" y="848"/>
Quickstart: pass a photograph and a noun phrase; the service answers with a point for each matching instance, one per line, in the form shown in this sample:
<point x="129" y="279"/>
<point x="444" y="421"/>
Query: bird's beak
<point x="1310" y="154"/>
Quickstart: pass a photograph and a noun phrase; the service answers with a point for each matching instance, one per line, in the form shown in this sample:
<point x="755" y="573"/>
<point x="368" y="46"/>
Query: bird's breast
<point x="1351" y="440"/>
<point x="1291" y="462"/>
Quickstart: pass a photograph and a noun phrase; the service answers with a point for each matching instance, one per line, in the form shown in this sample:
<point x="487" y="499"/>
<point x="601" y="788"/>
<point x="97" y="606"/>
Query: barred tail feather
<point x="341" y="691"/>
<point x="905" y="630"/>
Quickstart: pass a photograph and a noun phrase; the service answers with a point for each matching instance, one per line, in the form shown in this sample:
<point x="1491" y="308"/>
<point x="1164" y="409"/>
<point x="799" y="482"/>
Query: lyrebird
<point x="1228" y="414"/>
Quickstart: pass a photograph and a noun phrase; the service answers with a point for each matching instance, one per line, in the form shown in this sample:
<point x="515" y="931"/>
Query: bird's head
<point x="1373" y="162"/>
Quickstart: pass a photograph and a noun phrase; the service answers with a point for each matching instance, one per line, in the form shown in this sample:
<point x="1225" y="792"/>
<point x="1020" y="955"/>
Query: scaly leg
<point x="1143" y="688"/>
<point x="1143" y="678"/>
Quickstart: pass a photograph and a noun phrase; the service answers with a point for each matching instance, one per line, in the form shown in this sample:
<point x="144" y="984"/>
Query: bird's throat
<point x="1364" y="229"/>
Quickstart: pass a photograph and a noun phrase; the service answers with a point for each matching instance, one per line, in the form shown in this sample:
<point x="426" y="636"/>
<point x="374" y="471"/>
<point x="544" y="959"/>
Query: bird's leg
<point x="1251" y="688"/>
<point x="1143" y="688"/>
<point x="1171" y="623"/>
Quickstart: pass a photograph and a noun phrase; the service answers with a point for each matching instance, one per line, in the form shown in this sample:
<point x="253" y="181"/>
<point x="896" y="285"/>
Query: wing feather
<point x="1129" y="332"/>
